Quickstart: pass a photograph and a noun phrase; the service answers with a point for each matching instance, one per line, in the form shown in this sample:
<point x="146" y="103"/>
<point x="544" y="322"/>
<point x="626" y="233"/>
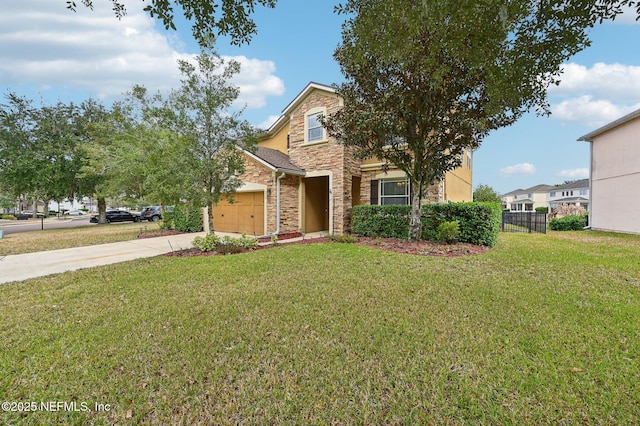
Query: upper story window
<point x="313" y="130"/>
<point x="552" y="194"/>
<point x="583" y="192"/>
<point x="530" y="196"/>
<point x="468" y="159"/>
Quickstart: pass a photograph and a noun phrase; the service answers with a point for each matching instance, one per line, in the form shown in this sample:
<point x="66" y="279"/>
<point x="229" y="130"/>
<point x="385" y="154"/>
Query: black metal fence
<point x="525" y="222"/>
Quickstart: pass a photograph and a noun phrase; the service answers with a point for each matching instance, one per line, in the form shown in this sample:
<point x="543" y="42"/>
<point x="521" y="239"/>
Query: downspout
<point x="278" y="203"/>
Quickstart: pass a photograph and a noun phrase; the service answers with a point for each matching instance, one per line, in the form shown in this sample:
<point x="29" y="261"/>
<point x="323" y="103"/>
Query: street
<point x="15" y="226"/>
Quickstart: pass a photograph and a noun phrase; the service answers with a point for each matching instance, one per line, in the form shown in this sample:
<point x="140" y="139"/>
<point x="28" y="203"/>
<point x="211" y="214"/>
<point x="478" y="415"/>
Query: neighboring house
<point x="572" y="194"/>
<point x="301" y="180"/>
<point x="615" y="175"/>
<point x="75" y="204"/>
<point x="526" y="200"/>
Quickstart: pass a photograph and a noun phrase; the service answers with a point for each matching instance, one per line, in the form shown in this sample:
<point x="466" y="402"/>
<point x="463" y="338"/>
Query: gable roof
<point x="582" y="183"/>
<point x="275" y="160"/>
<point x="620" y="121"/>
<point x="284" y="118"/>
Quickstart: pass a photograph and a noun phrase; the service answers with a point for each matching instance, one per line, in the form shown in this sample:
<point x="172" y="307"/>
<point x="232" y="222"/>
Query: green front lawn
<point x="543" y="329"/>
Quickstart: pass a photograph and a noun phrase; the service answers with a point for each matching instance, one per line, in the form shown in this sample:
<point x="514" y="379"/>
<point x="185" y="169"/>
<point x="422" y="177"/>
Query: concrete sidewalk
<point x="20" y="267"/>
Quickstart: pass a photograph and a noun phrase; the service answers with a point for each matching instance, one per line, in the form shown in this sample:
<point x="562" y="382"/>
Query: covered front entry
<point x="316" y="204"/>
<point x="245" y="214"/>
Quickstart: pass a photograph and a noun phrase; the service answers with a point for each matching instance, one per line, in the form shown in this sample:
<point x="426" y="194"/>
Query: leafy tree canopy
<point x="209" y="17"/>
<point x="426" y="80"/>
<point x="485" y="193"/>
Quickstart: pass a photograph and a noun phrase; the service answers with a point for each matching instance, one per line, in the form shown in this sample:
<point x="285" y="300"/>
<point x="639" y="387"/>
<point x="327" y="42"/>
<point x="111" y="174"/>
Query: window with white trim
<point x="313" y="130"/>
<point x="394" y="191"/>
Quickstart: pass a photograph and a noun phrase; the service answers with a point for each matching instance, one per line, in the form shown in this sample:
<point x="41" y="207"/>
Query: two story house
<point x="574" y="194"/>
<point x="301" y="180"/>
<point x="526" y="200"/>
<point x="615" y="175"/>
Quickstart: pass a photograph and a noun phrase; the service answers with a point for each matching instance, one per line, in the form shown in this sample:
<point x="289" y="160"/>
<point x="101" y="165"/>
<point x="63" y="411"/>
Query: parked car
<point x="117" y="216"/>
<point x="151" y="213"/>
<point x="29" y="214"/>
<point x="75" y="213"/>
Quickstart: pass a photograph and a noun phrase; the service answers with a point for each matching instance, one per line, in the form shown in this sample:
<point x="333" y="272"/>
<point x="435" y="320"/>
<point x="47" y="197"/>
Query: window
<point x="528" y="207"/>
<point x="468" y="159"/>
<point x="552" y="194"/>
<point x="315" y="132"/>
<point x="530" y="196"/>
<point x="583" y="192"/>
<point x="394" y="191"/>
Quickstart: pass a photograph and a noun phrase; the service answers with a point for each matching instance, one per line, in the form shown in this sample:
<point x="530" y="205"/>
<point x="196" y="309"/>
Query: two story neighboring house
<point x="526" y="200"/>
<point x="615" y="175"/>
<point x="574" y="194"/>
<point x="301" y="180"/>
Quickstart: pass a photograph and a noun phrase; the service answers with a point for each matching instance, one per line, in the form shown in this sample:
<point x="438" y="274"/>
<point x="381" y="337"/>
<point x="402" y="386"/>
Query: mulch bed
<point x="421" y="248"/>
<point x="158" y="233"/>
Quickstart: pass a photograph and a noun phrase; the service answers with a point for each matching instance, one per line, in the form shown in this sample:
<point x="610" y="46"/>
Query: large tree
<point x="199" y="134"/>
<point x="209" y="17"/>
<point x="427" y="79"/>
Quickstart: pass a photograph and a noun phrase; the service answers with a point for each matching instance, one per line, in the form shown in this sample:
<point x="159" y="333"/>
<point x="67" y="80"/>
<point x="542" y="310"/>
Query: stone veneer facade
<point x="325" y="158"/>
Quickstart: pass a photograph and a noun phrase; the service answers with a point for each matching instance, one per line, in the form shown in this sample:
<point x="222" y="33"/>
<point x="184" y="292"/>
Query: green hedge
<point x="187" y="219"/>
<point x="479" y="222"/>
<point x="380" y="221"/>
<point x="568" y="223"/>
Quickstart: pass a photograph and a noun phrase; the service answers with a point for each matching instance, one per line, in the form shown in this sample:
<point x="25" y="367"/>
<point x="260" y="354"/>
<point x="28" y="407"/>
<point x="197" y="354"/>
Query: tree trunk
<point x="102" y="210"/>
<point x="210" y="217"/>
<point x="415" y="224"/>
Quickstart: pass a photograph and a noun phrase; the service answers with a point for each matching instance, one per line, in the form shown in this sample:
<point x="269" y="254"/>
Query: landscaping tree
<point x="485" y="193"/>
<point x="198" y="127"/>
<point x="426" y="80"/>
<point x="38" y="149"/>
<point x="209" y="17"/>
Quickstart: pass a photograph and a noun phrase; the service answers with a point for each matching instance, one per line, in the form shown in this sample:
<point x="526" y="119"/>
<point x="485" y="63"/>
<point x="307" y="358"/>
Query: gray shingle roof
<point x="277" y="159"/>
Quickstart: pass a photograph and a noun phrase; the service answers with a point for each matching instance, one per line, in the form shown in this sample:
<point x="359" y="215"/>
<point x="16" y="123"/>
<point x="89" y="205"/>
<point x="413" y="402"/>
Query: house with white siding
<point x="571" y="194"/>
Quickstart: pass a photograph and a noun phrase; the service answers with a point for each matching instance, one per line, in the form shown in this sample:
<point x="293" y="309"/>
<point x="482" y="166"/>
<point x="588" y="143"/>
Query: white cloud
<point x="589" y="111"/>
<point x="618" y="81"/>
<point x="266" y="124"/>
<point x="522" y="169"/>
<point x="51" y="50"/>
<point x="580" y="173"/>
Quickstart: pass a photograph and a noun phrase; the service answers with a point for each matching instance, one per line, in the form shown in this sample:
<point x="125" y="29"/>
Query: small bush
<point x="568" y="223"/>
<point x="542" y="209"/>
<point x="479" y="222"/>
<point x="187" y="219"/>
<point x="226" y="244"/>
<point x="207" y="243"/>
<point x="448" y="232"/>
<point x="343" y="239"/>
<point x="167" y="221"/>
<point x="7" y="217"/>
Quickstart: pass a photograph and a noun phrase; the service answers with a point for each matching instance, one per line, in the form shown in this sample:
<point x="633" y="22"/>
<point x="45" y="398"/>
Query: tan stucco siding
<point x="277" y="141"/>
<point x="615" y="179"/>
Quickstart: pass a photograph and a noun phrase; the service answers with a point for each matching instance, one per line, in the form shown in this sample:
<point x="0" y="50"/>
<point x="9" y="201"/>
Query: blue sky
<point x="49" y="53"/>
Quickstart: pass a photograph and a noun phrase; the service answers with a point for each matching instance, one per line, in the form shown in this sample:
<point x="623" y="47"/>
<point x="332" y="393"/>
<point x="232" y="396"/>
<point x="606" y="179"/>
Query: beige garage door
<point x="245" y="214"/>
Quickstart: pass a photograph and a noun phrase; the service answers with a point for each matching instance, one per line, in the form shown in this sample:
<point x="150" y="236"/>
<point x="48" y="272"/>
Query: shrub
<point x="568" y="223"/>
<point x="207" y="243"/>
<point x="542" y="209"/>
<point x="479" y="222"/>
<point x="7" y="217"/>
<point x="380" y="221"/>
<point x="187" y="219"/>
<point x="167" y="221"/>
<point x="448" y="231"/>
<point x="226" y="244"/>
<point x="343" y="239"/>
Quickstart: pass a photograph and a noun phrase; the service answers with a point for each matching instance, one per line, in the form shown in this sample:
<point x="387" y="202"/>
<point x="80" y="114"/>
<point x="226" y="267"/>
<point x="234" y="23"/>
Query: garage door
<point x="245" y="214"/>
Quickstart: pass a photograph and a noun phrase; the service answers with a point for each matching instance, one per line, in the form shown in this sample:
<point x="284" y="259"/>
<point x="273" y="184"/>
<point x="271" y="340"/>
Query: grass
<point x="543" y="329"/>
<point x="53" y="239"/>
